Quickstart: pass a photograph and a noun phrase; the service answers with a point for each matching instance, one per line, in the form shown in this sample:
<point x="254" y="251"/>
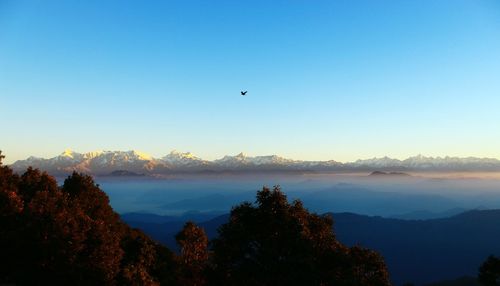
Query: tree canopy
<point x="193" y="258"/>
<point x="489" y="272"/>
<point x="70" y="235"/>
<point x="274" y="242"/>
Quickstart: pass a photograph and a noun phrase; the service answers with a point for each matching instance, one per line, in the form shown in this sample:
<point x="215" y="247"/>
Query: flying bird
<point x="244" y="93"/>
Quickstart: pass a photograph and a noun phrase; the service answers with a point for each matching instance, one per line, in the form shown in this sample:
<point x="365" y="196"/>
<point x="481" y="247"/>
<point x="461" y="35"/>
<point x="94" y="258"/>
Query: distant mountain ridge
<point x="384" y="174"/>
<point x="106" y="162"/>
<point x="417" y="251"/>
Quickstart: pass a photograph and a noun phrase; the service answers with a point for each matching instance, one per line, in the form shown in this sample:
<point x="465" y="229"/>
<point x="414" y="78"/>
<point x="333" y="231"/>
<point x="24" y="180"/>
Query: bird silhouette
<point x="244" y="92"/>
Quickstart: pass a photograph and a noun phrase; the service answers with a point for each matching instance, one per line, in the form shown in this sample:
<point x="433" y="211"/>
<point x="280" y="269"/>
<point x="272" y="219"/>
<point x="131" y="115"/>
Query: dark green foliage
<point x="489" y="272"/>
<point x="277" y="243"/>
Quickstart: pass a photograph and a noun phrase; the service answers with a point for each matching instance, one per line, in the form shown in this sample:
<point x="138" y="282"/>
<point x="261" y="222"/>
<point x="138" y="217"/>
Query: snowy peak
<point x="457" y="163"/>
<point x="271" y="160"/>
<point x="232" y="161"/>
<point x="178" y="155"/>
<point x="96" y="162"/>
<point x="126" y="156"/>
<point x="68" y="153"/>
<point x="378" y="162"/>
<point x="244" y="161"/>
<point x="140" y="155"/>
<point x="178" y="158"/>
<point x="93" y="154"/>
<point x="242" y="158"/>
<point x="105" y="162"/>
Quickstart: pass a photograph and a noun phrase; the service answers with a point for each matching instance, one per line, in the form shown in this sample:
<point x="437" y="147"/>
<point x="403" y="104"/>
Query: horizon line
<point x="175" y="151"/>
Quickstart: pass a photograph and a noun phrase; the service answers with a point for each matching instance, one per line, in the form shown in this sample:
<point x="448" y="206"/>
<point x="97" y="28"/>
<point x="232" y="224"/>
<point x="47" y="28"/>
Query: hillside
<point x="417" y="251"/>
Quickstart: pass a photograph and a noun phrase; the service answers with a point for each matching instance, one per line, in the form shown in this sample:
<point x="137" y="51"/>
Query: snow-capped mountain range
<point x="106" y="162"/>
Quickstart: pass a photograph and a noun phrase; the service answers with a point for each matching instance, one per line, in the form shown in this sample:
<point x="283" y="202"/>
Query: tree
<point x="193" y="243"/>
<point x="145" y="262"/>
<point x="70" y="235"/>
<point x="273" y="242"/>
<point x="11" y="202"/>
<point x="140" y="257"/>
<point x="489" y="272"/>
<point x="33" y="181"/>
<point x="11" y="207"/>
<point x="62" y="240"/>
<point x="368" y="267"/>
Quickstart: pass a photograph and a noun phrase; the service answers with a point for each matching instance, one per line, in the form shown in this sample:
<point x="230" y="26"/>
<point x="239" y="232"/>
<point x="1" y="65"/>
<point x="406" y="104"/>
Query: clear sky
<point x="326" y="79"/>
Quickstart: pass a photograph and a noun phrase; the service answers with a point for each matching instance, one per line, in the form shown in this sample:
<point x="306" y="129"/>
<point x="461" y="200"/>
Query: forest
<point x="70" y="235"/>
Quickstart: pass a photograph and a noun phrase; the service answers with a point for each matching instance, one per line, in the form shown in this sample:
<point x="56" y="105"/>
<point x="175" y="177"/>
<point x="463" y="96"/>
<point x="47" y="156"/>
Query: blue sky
<point x="326" y="79"/>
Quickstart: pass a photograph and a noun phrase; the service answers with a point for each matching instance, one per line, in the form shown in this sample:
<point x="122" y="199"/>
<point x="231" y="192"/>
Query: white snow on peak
<point x="68" y="153"/>
<point x="103" y="162"/>
<point x="378" y="162"/>
<point x="242" y="158"/>
<point x="176" y="153"/>
<point x="141" y="155"/>
<point x="92" y="154"/>
<point x="176" y="157"/>
<point x="237" y="158"/>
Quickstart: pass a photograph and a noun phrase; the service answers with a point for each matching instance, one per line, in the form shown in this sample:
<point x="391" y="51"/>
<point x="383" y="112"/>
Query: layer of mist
<point x="407" y="197"/>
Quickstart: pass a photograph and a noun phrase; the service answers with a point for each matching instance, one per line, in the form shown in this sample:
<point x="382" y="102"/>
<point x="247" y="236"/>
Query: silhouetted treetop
<point x="489" y="272"/>
<point x="70" y="235"/>
<point x="193" y="242"/>
<point x="33" y="181"/>
<point x="274" y="242"/>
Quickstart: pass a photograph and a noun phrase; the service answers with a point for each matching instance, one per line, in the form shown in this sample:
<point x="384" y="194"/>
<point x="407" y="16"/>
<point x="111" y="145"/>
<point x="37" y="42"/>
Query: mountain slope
<point x="417" y="251"/>
<point x="98" y="162"/>
<point x="105" y="162"/>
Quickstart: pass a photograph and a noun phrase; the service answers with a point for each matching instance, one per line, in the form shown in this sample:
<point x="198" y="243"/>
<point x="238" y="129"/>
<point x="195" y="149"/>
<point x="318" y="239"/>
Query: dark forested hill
<point x="417" y="251"/>
<point x="426" y="250"/>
